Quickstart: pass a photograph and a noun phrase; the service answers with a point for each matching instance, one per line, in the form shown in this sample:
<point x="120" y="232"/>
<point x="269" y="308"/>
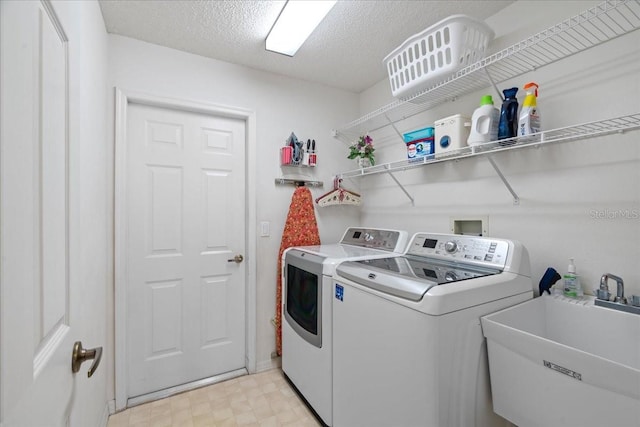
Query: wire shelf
<point x="570" y="133"/>
<point x="606" y="21"/>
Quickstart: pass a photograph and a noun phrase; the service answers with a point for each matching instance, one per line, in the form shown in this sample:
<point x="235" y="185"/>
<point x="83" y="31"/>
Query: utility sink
<point x="555" y="361"/>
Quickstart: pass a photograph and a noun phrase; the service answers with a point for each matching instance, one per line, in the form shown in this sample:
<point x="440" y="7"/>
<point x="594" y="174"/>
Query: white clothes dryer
<point x="407" y="343"/>
<point x="306" y="311"/>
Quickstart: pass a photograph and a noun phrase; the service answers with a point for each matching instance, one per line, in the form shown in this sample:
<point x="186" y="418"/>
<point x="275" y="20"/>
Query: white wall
<point x="90" y="241"/>
<point x="281" y="105"/>
<point x="578" y="199"/>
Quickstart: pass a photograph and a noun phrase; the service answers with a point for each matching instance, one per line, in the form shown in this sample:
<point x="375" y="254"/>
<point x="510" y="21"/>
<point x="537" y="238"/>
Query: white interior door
<point x="185" y="198"/>
<point x="36" y="334"/>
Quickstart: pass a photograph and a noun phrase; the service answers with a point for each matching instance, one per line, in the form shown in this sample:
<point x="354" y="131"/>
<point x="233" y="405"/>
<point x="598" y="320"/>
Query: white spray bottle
<point x="529" y="114"/>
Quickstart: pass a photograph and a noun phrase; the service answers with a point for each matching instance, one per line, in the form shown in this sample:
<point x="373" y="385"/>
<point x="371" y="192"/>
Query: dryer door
<point x="303" y="295"/>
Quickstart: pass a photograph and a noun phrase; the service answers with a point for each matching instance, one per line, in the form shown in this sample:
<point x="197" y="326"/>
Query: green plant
<point x="363" y="148"/>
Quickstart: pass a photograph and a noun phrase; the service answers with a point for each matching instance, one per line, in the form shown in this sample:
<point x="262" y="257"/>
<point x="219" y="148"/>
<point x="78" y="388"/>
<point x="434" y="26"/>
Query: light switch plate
<point x="264" y="229"/>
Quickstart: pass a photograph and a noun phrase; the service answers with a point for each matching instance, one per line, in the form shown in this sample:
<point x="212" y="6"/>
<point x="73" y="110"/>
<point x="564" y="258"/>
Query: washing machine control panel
<point x="453" y="247"/>
<point x="390" y="240"/>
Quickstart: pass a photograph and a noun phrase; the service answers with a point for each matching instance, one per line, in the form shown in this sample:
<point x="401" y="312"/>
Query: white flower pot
<point x="363" y="162"/>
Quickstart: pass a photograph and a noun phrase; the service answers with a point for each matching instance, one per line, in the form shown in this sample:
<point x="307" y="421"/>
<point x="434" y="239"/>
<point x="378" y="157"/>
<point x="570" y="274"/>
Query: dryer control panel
<point x="377" y="238"/>
<point x="465" y="249"/>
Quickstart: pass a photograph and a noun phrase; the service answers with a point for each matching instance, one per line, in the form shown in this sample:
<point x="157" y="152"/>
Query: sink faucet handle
<point x="620" y="299"/>
<point x="603" y="294"/>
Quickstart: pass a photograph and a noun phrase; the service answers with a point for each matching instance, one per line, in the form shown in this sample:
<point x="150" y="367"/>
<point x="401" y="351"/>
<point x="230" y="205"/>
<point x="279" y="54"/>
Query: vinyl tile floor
<point x="264" y="399"/>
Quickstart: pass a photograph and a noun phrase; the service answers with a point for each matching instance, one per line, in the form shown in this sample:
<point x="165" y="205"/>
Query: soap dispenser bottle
<point x="572" y="286"/>
<point x="508" y="126"/>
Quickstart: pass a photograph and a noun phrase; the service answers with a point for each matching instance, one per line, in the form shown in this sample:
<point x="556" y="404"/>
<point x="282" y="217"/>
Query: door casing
<point x="122" y="99"/>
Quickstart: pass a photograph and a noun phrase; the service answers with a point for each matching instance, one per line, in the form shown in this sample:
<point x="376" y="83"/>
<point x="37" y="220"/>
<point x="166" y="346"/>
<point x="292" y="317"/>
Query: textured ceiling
<point x="346" y="50"/>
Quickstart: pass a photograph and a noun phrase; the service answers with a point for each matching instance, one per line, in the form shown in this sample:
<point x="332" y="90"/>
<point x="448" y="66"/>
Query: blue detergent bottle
<point x="508" y="126"/>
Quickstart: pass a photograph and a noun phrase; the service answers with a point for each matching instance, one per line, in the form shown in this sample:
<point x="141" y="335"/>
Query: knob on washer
<point x="451" y="246"/>
<point x="450" y="276"/>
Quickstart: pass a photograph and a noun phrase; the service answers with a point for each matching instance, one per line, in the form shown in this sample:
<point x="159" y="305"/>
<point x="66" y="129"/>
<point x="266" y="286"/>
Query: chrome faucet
<point x="619" y="302"/>
<point x="603" y="292"/>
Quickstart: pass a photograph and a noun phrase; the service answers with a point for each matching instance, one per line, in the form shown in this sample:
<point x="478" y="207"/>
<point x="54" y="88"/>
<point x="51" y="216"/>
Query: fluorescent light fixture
<point x="295" y="24"/>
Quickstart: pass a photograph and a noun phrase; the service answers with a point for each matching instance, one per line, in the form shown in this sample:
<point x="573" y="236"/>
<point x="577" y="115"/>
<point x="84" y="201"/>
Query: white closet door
<point x="186" y="220"/>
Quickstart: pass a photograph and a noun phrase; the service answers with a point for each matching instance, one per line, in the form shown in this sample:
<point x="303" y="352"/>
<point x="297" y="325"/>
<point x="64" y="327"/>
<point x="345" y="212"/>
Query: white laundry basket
<point x="438" y="51"/>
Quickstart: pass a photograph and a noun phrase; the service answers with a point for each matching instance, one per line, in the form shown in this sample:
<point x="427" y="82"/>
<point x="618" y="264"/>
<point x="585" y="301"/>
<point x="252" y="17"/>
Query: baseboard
<point x="104" y="420"/>
<point x="267" y="365"/>
<point x="161" y="394"/>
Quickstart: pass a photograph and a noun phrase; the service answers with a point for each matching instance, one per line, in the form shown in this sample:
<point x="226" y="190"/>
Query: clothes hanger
<point x="339" y="196"/>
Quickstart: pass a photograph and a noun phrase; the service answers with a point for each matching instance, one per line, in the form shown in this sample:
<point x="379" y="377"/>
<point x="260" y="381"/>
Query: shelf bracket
<point x="393" y="125"/>
<point x="400" y="185"/>
<point x="516" y="199"/>
<point x="495" y="86"/>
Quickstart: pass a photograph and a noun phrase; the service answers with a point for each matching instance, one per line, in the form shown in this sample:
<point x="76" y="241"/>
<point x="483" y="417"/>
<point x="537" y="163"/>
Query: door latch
<point x="237" y="259"/>
<point x="80" y="355"/>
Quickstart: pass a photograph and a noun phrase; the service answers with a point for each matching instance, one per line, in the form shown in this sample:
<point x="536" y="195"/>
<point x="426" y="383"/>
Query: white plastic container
<point x="484" y="122"/>
<point x="451" y="134"/>
<point x="440" y="50"/>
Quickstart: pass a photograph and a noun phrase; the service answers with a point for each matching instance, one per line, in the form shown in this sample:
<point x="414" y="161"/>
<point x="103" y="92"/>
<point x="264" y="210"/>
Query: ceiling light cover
<point x="295" y="24"/>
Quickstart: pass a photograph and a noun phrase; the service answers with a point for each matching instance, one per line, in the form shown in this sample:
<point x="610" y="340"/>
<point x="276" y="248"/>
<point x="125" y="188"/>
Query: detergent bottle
<point x="508" y="126"/>
<point x="484" y="122"/>
<point x="530" y="114"/>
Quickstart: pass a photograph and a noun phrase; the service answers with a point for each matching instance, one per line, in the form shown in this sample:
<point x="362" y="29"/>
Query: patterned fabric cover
<point x="300" y="229"/>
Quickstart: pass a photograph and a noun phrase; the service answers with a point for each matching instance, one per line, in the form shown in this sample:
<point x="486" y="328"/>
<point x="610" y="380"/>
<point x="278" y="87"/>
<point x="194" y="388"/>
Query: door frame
<point x="122" y="100"/>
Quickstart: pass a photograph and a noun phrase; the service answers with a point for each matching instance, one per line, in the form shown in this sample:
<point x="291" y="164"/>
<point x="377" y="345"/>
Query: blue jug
<point x="508" y="125"/>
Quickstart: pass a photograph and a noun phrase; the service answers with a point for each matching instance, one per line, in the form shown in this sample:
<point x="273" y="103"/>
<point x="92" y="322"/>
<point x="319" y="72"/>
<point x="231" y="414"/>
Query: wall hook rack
<point x="299" y="182"/>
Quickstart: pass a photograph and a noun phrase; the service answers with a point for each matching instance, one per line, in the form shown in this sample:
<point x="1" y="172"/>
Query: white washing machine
<point x="306" y="311"/>
<point x="408" y="349"/>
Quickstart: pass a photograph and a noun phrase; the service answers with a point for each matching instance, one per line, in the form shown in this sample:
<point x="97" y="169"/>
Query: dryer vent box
<point x="470" y="226"/>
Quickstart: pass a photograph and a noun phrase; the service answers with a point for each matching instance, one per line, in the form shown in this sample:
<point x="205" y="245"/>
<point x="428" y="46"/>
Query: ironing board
<point x="300" y="229"/>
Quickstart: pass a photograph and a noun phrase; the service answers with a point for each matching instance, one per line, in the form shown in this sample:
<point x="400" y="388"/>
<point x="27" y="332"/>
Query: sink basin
<point x="555" y="361"/>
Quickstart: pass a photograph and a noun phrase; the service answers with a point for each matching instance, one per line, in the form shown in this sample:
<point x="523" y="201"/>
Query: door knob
<point x="237" y="259"/>
<point x="80" y="354"/>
